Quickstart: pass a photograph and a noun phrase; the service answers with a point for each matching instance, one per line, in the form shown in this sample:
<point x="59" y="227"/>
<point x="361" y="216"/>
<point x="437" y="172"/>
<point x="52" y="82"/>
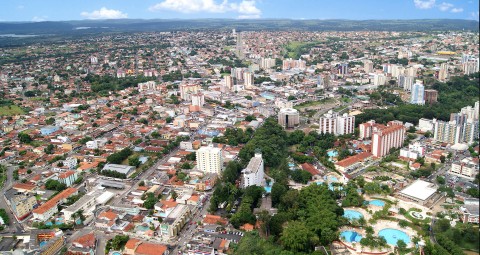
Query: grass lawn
<point x="314" y="103"/>
<point x="11" y="110"/>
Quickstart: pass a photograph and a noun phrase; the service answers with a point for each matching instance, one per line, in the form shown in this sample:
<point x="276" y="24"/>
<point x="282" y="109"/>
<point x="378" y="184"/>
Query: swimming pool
<point x="352" y="214"/>
<point x="331" y="178"/>
<point x="141" y="228"/>
<point x="332" y="153"/>
<point x="268" y="189"/>
<point x="116" y="253"/>
<point x="376" y="203"/>
<point x="350" y="236"/>
<point x="393" y="235"/>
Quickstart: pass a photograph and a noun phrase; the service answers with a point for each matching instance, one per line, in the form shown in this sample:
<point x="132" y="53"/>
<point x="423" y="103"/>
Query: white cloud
<point x="104" y="13"/>
<point x="457" y="10"/>
<point x="475" y="15"/>
<point x="39" y="18"/>
<point x="424" y="4"/>
<point x="445" y="6"/>
<point x="245" y="9"/>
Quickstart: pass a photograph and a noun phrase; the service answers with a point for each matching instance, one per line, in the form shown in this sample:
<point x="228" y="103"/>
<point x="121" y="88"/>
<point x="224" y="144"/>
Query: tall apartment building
<point x="198" y="99"/>
<point x="21" y="204"/>
<point x="336" y="124"/>
<point x="267" y="63"/>
<point x="294" y="64"/>
<point x="418" y="93"/>
<point x="463" y="127"/>
<point x="443" y="72"/>
<point x="186" y="90"/>
<point x="430" y="96"/>
<point x="406" y="82"/>
<point x="411" y="71"/>
<point x="210" y="159"/>
<point x="384" y="139"/>
<point x="471" y="112"/>
<point x="253" y="174"/>
<point x="379" y="79"/>
<point x="248" y="79"/>
<point x="397" y="70"/>
<point x="288" y="117"/>
<point x="368" y="66"/>
<point x="228" y="82"/>
<point x="471" y="66"/>
<point x="467" y="168"/>
<point x="447" y="131"/>
<point x="343" y="68"/>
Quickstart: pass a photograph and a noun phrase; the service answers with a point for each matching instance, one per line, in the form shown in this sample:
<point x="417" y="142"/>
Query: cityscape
<point x="242" y="134"/>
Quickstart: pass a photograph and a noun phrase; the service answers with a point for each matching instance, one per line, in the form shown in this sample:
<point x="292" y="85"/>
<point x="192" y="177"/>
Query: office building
<point x="336" y="124"/>
<point x="253" y="174"/>
<point x="288" y="118"/>
<point x="387" y="137"/>
<point x="210" y="159"/>
<point x="418" y="93"/>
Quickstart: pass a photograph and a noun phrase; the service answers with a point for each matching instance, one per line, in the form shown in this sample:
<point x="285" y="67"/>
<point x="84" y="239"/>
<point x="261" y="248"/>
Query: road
<point x="14" y="226"/>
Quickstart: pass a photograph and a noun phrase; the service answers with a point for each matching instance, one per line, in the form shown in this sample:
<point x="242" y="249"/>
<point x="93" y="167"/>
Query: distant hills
<point x="139" y="25"/>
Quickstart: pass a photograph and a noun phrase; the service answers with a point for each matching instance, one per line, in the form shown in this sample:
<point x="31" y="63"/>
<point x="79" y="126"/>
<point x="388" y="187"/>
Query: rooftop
<point x="419" y="189"/>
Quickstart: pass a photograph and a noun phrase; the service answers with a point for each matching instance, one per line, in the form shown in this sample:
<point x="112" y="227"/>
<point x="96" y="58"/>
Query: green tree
<point x="297" y="237"/>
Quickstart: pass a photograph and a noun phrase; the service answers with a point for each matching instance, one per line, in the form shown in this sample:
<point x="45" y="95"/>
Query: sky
<point x="55" y="10"/>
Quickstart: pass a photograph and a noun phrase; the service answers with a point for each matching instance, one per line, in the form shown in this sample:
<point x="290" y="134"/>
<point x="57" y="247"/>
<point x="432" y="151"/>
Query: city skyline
<point x="49" y="10"/>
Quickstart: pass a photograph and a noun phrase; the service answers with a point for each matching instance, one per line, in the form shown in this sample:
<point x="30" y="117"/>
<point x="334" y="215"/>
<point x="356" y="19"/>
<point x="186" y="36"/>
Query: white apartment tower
<point x="210" y="159"/>
<point x="248" y="79"/>
<point x="253" y="174"/>
<point x="335" y="124"/>
<point x="418" y="94"/>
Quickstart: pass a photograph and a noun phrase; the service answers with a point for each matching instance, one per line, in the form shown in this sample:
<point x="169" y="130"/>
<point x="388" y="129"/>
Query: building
<point x="68" y="177"/>
<point x="48" y="130"/>
<point x="446" y="131"/>
<point x="198" y="99"/>
<point x="471" y="67"/>
<point x="70" y="162"/>
<point x="210" y="159"/>
<point x="368" y="66"/>
<point x="228" y="82"/>
<point x="122" y="169"/>
<point x="419" y="192"/>
<point x="186" y="90"/>
<point x="443" y="72"/>
<point x="86" y="203"/>
<point x="138" y="247"/>
<point x="342" y="68"/>
<point x="288" y="118"/>
<point x="45" y="242"/>
<point x="83" y="245"/>
<point x="49" y="208"/>
<point x="294" y="64"/>
<point x="406" y="82"/>
<point x="267" y="63"/>
<point x="386" y="138"/>
<point x="174" y="222"/>
<point x="430" y="96"/>
<point x="147" y="86"/>
<point x="470" y="211"/>
<point x="411" y="71"/>
<point x="248" y="80"/>
<point x="21" y="204"/>
<point x="379" y="79"/>
<point x="471" y="112"/>
<point x="336" y="124"/>
<point x="253" y="174"/>
<point x="413" y="151"/>
<point x="418" y="93"/>
<point x="467" y="168"/>
<point x="425" y="125"/>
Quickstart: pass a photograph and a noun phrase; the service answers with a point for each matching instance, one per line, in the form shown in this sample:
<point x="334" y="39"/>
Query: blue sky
<point x="53" y="10"/>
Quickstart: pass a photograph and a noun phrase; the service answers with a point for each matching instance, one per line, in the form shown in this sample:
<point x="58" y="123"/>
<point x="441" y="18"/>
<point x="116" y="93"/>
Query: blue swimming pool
<point x="332" y="178"/>
<point x="352" y="214"/>
<point x="116" y="253"/>
<point x="377" y="203"/>
<point x="393" y="235"/>
<point x="268" y="189"/>
<point x="350" y="236"/>
<point x="332" y="153"/>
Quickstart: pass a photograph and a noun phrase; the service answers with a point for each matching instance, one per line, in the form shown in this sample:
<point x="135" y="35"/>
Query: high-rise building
<point x="411" y="71"/>
<point x="186" y="90"/>
<point x="198" y="99"/>
<point x="430" y="96"/>
<point x="406" y="82"/>
<point x="343" y="68"/>
<point x="253" y="174"/>
<point x="368" y="66"/>
<point x="288" y="118"/>
<point x="418" y="94"/>
<point x="447" y="132"/>
<point x="397" y="70"/>
<point x="228" y="82"/>
<point x="267" y="63"/>
<point x="379" y="79"/>
<point x="471" y="66"/>
<point x="294" y="64"/>
<point x="443" y="72"/>
<point x="248" y="79"/>
<point x="210" y="159"/>
<point x="335" y="124"/>
<point x="471" y="112"/>
<point x="384" y="139"/>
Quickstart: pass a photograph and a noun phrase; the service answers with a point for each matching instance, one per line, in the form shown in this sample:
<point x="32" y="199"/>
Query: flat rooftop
<point x="419" y="189"/>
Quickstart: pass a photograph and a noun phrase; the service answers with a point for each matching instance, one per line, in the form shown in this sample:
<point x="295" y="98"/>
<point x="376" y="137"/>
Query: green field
<point x="314" y="103"/>
<point x="11" y="110"/>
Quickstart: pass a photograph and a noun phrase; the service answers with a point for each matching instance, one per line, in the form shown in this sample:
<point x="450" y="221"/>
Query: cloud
<point x="246" y="8"/>
<point x="424" y="4"/>
<point x="39" y="18"/>
<point x="445" y="6"/>
<point x="104" y="13"/>
<point x="457" y="10"/>
<point x="475" y="15"/>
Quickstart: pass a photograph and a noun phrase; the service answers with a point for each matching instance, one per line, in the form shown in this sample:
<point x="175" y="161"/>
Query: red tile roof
<point x="54" y="201"/>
